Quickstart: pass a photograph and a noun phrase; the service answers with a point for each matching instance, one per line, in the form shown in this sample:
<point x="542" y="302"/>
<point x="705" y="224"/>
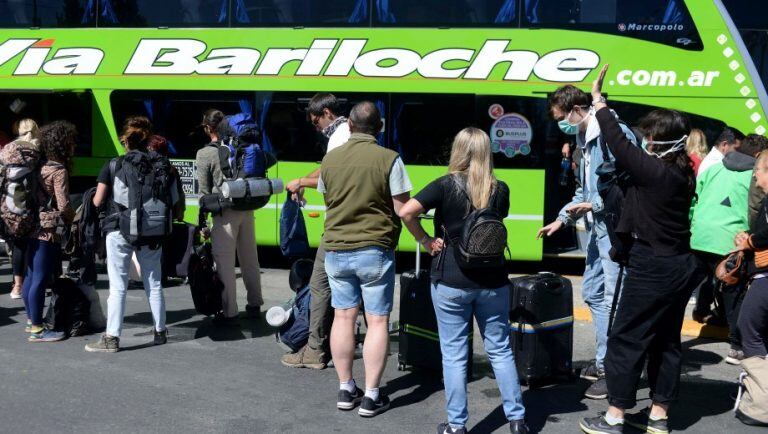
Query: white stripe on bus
<point x="321" y="208"/>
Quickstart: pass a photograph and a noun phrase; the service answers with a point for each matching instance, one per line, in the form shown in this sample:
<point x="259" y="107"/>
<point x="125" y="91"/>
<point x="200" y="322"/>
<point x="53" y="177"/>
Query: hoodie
<point x="720" y="209"/>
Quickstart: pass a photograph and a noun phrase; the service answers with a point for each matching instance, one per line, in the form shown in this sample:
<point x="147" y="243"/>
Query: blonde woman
<point x="458" y="294"/>
<point x="28" y="131"/>
<point x="696" y="148"/>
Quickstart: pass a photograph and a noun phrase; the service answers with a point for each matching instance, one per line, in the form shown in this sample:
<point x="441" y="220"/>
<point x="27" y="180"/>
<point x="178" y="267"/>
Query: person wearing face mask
<point x="661" y="270"/>
<point x="323" y="112"/>
<point x="570" y="106"/>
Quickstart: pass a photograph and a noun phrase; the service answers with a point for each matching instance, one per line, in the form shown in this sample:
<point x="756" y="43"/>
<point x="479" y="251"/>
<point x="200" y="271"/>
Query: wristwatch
<point x="599" y="100"/>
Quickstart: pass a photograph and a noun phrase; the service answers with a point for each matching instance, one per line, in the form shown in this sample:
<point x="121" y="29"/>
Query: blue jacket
<point x="589" y="142"/>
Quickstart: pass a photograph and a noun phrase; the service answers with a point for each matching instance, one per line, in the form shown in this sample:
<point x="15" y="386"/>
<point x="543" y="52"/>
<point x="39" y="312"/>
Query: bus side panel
<point x="526" y="208"/>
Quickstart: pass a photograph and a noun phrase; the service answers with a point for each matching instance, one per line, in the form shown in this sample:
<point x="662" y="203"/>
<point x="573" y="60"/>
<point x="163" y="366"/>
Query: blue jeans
<point x="598" y="287"/>
<point x="366" y="274"/>
<point x="119" y="254"/>
<point x="41" y="257"/>
<point x="454" y="309"/>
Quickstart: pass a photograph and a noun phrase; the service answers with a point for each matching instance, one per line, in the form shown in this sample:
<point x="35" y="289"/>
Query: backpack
<point x="612" y="185"/>
<point x="142" y="192"/>
<point x="241" y="157"/>
<point x="295" y="332"/>
<point x="69" y="309"/>
<point x="204" y="282"/>
<point x="483" y="238"/>
<point x="293" y="230"/>
<point x="20" y="163"/>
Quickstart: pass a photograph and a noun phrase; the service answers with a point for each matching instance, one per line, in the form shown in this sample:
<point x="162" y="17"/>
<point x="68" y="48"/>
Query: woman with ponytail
<point x="28" y="131"/>
<point x="137" y="131"/>
<point x="459" y="293"/>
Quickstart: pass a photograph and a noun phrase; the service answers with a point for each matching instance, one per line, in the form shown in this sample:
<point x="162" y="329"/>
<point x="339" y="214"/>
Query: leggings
<point x="19" y="256"/>
<point x="41" y="258"/>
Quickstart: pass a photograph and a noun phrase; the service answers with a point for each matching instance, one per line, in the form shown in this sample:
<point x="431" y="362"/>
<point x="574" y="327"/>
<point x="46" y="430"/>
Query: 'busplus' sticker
<point x="511" y="134"/>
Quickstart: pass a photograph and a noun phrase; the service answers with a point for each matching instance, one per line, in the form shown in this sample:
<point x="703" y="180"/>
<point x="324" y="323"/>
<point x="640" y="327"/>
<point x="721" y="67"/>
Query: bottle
<point x="565" y="166"/>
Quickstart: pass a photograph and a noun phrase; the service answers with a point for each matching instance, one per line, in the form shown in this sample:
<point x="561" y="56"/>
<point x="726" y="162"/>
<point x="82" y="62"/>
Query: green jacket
<point x="720" y="209"/>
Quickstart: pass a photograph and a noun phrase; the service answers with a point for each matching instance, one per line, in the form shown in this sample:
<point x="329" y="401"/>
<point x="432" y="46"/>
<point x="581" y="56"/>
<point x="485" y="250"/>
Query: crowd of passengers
<point x="685" y="209"/>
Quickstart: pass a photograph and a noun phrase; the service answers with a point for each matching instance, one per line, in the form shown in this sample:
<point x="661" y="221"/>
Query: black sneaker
<point x="223" y="321"/>
<point x="598" y="425"/>
<point x="253" y="312"/>
<point x="161" y="337"/>
<point x="518" y="427"/>
<point x="347" y="401"/>
<point x="445" y="428"/>
<point x="592" y="372"/>
<point x="370" y="408"/>
<point x="643" y="422"/>
<point x="598" y="390"/>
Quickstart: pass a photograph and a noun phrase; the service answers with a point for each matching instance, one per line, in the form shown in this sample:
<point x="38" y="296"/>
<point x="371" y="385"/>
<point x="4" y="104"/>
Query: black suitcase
<point x="419" y="343"/>
<point x="541" y="326"/>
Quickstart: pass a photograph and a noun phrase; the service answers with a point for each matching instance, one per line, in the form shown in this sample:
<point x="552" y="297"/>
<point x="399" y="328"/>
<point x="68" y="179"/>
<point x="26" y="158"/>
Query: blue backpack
<point x="241" y="155"/>
<point x="293" y="230"/>
<point x="295" y="332"/>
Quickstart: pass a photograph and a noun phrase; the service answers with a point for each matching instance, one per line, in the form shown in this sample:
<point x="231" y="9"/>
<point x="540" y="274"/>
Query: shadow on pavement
<point x="6" y="314"/>
<point x="426" y="383"/>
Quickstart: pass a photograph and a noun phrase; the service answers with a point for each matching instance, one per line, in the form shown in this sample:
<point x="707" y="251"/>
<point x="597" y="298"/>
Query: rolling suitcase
<point x="541" y="326"/>
<point x="419" y="343"/>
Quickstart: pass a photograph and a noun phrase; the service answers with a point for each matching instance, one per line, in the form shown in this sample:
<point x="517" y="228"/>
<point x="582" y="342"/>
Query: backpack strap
<point x="114" y="165"/>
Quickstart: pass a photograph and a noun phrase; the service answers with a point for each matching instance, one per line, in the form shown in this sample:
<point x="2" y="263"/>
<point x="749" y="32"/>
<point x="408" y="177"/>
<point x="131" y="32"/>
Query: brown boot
<point x="305" y="358"/>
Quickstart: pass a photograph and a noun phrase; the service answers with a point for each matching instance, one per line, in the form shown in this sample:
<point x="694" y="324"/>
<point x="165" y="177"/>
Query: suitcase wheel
<point x="401" y="366"/>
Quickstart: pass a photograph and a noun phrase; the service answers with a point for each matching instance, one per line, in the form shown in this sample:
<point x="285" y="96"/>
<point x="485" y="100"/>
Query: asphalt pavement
<point x="209" y="379"/>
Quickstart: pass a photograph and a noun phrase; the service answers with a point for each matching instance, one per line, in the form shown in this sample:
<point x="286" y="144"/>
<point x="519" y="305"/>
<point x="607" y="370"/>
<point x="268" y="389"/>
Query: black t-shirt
<point x="105" y="177"/>
<point x="451" y="207"/>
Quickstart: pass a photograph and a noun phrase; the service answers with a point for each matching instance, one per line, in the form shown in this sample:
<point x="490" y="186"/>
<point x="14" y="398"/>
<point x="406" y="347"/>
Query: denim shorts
<point x="366" y="274"/>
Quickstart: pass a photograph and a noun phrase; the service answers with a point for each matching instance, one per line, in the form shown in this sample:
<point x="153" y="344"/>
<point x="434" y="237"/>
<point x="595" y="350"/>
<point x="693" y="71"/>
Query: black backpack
<point x="69" y="309"/>
<point x="612" y="185"/>
<point x="204" y="282"/>
<point x="483" y="239"/>
<point x="142" y="194"/>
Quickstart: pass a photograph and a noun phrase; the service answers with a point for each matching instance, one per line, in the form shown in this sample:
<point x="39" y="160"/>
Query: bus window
<point x="168" y="13"/>
<point x="663" y="21"/>
<point x="292" y="136"/>
<point x="422" y="127"/>
<point x="452" y="13"/>
<point x="300" y="13"/>
<point x="177" y="115"/>
<point x="43" y="108"/>
<point x="44" y="13"/>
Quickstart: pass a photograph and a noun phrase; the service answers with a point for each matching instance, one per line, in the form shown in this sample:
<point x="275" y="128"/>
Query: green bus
<point x="432" y="66"/>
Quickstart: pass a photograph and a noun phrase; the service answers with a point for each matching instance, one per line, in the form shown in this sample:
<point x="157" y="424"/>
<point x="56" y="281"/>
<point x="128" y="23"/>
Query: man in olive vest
<point x="364" y="186"/>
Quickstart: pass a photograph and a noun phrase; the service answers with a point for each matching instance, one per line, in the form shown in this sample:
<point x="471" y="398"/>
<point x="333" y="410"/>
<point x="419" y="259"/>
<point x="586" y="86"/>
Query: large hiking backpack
<point x="142" y="191"/>
<point x="19" y="181"/>
<point x="241" y="157"/>
<point x="483" y="238"/>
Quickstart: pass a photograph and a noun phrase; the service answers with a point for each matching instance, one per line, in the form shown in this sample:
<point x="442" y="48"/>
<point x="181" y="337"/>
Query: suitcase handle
<point x="418" y="246"/>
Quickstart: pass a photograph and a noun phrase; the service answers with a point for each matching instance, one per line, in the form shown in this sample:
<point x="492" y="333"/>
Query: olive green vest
<point x="359" y="209"/>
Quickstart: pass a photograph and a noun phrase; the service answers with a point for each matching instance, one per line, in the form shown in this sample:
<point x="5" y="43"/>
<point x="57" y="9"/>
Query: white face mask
<point x="678" y="145"/>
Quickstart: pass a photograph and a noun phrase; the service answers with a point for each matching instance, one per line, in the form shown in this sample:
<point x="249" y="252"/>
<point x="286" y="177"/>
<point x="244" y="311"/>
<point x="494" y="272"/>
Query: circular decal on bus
<point x="511" y="134"/>
<point x="495" y="111"/>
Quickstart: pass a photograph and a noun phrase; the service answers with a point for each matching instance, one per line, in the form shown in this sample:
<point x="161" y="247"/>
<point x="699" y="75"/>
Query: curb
<point x="690" y="328"/>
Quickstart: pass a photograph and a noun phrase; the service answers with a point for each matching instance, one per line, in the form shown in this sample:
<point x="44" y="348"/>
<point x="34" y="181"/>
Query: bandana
<point x="330" y="129"/>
